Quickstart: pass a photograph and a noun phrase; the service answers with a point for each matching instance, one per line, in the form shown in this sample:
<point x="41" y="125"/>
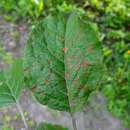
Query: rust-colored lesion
<point x="34" y="88"/>
<point x="85" y="64"/>
<point x="76" y="81"/>
<point x="91" y="48"/>
<point x="67" y="75"/>
<point x="49" y="62"/>
<point x="46" y="82"/>
<point x="65" y="50"/>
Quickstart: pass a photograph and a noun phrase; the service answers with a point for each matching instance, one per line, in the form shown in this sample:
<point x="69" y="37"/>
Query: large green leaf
<point x="11" y="83"/>
<point x="63" y="61"/>
<point x="45" y="126"/>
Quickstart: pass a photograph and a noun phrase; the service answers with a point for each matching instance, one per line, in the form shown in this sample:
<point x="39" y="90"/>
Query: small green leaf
<point x="44" y="126"/>
<point x="11" y="83"/>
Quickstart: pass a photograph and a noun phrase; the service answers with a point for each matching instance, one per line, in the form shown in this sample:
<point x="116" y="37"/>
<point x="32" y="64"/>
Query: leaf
<point x="6" y="128"/>
<point x="11" y="83"/>
<point x="44" y="126"/>
<point x="63" y="62"/>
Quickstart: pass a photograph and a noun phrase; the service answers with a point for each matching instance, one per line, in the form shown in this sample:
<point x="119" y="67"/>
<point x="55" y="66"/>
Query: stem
<point x="73" y="122"/>
<point x="22" y="114"/>
<point x="83" y="121"/>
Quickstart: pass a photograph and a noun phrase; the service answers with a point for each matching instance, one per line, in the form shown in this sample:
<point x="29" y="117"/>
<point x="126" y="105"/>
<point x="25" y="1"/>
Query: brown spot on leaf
<point x="78" y="67"/>
<point x="65" y="50"/>
<point x="46" y="82"/>
<point x="34" y="88"/>
<point x="76" y="79"/>
<point x="85" y="64"/>
<point x="81" y="87"/>
<point x="90" y="49"/>
<point x="67" y="75"/>
<point x="49" y="62"/>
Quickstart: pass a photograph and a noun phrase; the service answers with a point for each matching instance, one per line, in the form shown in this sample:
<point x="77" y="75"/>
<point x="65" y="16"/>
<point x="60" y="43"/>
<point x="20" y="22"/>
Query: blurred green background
<point x="113" y="20"/>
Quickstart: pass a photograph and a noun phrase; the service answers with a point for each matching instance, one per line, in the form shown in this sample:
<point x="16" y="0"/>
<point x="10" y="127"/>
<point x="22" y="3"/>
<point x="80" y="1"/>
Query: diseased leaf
<point x="11" y="83"/>
<point x="63" y="62"/>
<point x="44" y="126"/>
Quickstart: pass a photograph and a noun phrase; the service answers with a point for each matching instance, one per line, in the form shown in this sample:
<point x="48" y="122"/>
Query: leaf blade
<point x="11" y="83"/>
<point x="64" y="63"/>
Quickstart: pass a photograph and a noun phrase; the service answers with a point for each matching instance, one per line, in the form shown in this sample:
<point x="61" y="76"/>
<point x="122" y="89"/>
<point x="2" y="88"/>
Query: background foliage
<point x="113" y="19"/>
